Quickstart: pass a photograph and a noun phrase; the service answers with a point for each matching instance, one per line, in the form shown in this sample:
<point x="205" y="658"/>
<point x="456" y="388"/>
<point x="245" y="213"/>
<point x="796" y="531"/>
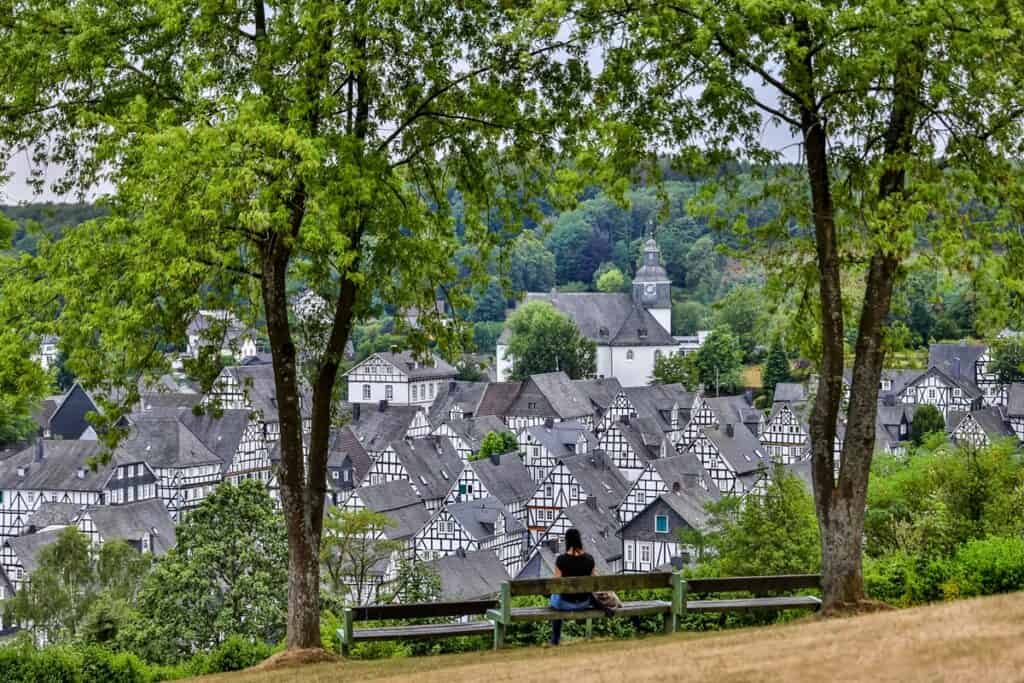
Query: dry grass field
<point x="978" y="640"/>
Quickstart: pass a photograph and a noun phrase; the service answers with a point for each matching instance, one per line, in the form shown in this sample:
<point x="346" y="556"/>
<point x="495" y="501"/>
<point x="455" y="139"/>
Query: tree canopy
<point x="542" y="339"/>
<point x="496" y="443"/>
<point x="927" y="420"/>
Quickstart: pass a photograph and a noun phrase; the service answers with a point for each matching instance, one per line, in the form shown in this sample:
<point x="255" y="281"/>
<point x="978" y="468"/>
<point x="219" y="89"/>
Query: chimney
<point x="22" y="471"/>
<point x="956" y="366"/>
<point x="356" y="408"/>
<point x="39" y="451"/>
<point x="592" y="502"/>
<point x="495" y="458"/>
<point x="383" y="405"/>
<point x="730" y="431"/>
<point x="549" y="422"/>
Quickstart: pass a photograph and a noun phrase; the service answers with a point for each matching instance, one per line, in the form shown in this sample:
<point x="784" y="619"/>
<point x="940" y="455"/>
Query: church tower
<point x="651" y="287"/>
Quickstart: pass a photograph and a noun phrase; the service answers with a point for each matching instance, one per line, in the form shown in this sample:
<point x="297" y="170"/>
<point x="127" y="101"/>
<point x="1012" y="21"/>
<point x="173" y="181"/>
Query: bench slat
<point x="629" y="609"/>
<point x="754" y="584"/>
<point x="589" y="584"/>
<point x="747" y="604"/>
<point x="423" y="631"/>
<point x="422" y="610"/>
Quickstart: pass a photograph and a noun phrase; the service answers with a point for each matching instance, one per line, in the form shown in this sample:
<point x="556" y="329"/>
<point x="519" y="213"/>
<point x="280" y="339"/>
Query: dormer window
<point x="642" y="332"/>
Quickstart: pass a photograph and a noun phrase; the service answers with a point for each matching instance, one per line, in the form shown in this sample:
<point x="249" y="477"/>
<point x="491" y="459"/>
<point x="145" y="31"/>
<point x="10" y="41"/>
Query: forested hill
<point x="35" y="220"/>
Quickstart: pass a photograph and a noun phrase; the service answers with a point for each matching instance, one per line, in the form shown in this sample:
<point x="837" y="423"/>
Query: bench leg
<point x="590" y="628"/>
<point x="499" y="635"/>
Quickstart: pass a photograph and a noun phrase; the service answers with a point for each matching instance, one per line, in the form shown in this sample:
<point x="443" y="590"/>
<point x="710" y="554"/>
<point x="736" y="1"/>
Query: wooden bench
<point x="762" y="587"/>
<point x="348" y="635"/>
<point x="504" y="615"/>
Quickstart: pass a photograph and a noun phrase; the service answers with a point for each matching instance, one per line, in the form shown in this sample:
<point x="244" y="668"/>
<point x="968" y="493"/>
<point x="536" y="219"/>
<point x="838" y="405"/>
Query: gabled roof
<point x="1015" y="403"/>
<point x="415" y="369"/>
<point x="497" y="398"/>
<point x="789" y="392"/>
<point x="397" y="501"/>
<point x="377" y="428"/>
<point x="473" y="430"/>
<point x="598" y="477"/>
<point x="991" y="421"/>
<point x="608" y="319"/>
<point x="478" y="517"/>
<point x="53" y="514"/>
<point x="640" y="328"/>
<point x="681" y="469"/>
<point x="469" y="576"/>
<point x="688" y="503"/>
<point x="132" y="521"/>
<point x="345" y="444"/>
<point x="634" y="438"/>
<point x="465" y="395"/>
<point x="601" y="391"/>
<point x="163" y="442"/>
<point x="741" y="449"/>
<point x="567" y="401"/>
<point x="27" y="548"/>
<point x="733" y="409"/>
<point x="432" y="463"/>
<point x="945" y="358"/>
<point x="964" y="382"/>
<point x="505" y="477"/>
<point x="60" y="468"/>
<point x="560" y="438"/>
<point x="221" y="433"/>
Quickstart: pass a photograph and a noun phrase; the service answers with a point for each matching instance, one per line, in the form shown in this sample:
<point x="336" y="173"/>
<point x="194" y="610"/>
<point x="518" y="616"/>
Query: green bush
<point x="100" y="665"/>
<point x="987" y="566"/>
<point x="236" y="653"/>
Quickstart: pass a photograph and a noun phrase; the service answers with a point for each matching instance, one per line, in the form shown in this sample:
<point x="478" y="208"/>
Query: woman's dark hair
<point x="573" y="541"/>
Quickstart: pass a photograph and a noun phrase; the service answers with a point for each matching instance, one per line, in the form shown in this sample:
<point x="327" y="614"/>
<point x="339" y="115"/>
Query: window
<point x="549" y="490"/>
<point x="415" y="392"/>
<point x="574" y="491"/>
<point x="462" y="489"/>
<point x="629" y="354"/>
<point x="389" y="392"/>
<point x="641" y="497"/>
<point x="535" y="452"/>
<point x="642" y="332"/>
<point x="334" y="474"/>
<point x="661" y="524"/>
<point x="629" y="553"/>
<point x="532" y="405"/>
<point x="957" y="392"/>
<point x="366" y="392"/>
<point x="645" y="553"/>
<point x="431" y="390"/>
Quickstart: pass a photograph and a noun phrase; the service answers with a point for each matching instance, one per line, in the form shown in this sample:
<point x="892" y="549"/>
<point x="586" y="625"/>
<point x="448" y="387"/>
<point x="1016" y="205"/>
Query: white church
<point x="630" y="330"/>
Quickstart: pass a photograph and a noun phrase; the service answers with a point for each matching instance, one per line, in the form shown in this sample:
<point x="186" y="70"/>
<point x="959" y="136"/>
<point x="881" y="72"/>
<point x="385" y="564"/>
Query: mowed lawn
<point x="968" y="640"/>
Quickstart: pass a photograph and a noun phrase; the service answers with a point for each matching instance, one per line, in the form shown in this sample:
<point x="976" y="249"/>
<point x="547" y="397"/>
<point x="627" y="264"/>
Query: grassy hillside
<point x="975" y="640"/>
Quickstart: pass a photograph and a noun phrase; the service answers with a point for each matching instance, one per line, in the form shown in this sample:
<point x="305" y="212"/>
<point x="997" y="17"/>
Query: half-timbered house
<point x="19" y="556"/>
<point x="892" y="426"/>
<point x="948" y="393"/>
<point x="665" y="475"/>
<point x="400" y="378"/>
<point x="474" y="525"/>
<point x="348" y="464"/>
<point x="238" y="438"/>
<point x="468" y="434"/>
<point x="377" y="427"/>
<point x="544" y="445"/>
<point x="502" y="476"/>
<point x="626" y="445"/>
<point x="144" y="525"/>
<point x="456" y="401"/>
<point x="732" y="456"/>
<point x="973" y="362"/>
<point x="979" y="428"/>
<point x="651" y="540"/>
<point x="547" y="396"/>
<point x="65" y="416"/>
<point x="569" y="483"/>
<point x="251" y="387"/>
<point x="432" y="467"/>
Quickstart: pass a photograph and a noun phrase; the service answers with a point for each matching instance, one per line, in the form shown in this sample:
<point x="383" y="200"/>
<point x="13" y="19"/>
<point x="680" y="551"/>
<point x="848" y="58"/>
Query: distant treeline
<point x="49" y="219"/>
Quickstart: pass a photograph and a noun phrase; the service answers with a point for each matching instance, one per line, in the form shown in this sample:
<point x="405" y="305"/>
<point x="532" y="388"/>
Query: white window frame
<point x="367" y="392"/>
<point x="389" y="392"/>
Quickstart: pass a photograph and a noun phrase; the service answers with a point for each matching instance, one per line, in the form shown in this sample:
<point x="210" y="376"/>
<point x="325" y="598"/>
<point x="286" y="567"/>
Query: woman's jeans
<point x="557" y="603"/>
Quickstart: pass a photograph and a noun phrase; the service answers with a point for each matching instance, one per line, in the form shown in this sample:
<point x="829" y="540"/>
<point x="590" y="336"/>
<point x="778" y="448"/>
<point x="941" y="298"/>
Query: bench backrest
<point x="590" y="584"/>
<point x="422" y="610"/>
<point x="755" y="584"/>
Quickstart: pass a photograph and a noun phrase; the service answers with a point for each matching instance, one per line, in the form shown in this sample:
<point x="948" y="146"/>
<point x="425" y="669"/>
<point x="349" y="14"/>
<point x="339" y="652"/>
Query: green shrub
<point x="987" y="566"/>
<point x="100" y="665"/>
<point x="54" y="665"/>
<point x="236" y="653"/>
<point x="16" y="662"/>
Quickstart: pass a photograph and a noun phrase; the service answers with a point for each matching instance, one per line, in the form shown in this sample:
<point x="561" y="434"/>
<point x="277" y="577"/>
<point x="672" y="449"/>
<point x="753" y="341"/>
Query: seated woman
<point x="573" y="562"/>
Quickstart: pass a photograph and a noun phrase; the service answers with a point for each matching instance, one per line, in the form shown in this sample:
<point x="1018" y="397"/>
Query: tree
<point x="255" y="144"/>
<point x="860" y="87"/>
<point x="763" y="535"/>
<point x="496" y="443"/>
<point x="719" y="362"/>
<point x="485" y="335"/>
<point x="676" y="368"/>
<point x="532" y="266"/>
<point x="611" y="280"/>
<point x="742" y="311"/>
<point x="776" y="368"/>
<point x="927" y="420"/>
<point x="490" y="306"/>
<point x="224" y="576"/>
<point x="354" y="543"/>
<point x="543" y="339"/>
<point x="1008" y="360"/>
<point x="688" y="317"/>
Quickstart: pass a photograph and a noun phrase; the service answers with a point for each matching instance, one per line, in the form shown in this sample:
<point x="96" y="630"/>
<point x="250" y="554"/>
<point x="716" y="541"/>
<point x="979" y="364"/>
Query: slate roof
<point x="221" y="433"/>
<point x="735" y="409"/>
<point x="688" y="504"/>
<point x="432" y="463"/>
<point x="601" y="391"/>
<point x="742" y="450"/>
<point x="465" y="395"/>
<point x="789" y="392"/>
<point x="469" y="576"/>
<point x="397" y="501"/>
<point x="567" y="400"/>
<point x="1015" y="402"/>
<point x="414" y="369"/>
<point x="164" y="404"/>
<point x="473" y="430"/>
<point x="608" y="319"/>
<point x="560" y="438"/>
<point x="991" y="421"/>
<point x="598" y="477"/>
<point x="53" y="514"/>
<point x="965" y="382"/>
<point x="379" y="428"/>
<point x="505" y="477"/>
<point x="345" y="444"/>
<point x="130" y="522"/>
<point x="943" y="357"/>
<point x="679" y="469"/>
<point x="60" y="467"/>
<point x="167" y="443"/>
<point x="634" y="438"/>
<point x="598" y="527"/>
<point x="497" y="398"/>
<point x="26" y="548"/>
<point x="478" y="517"/>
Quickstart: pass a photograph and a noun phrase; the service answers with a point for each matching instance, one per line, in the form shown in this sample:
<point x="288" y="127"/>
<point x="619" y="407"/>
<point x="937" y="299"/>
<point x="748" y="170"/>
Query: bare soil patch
<point x="290" y="659"/>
